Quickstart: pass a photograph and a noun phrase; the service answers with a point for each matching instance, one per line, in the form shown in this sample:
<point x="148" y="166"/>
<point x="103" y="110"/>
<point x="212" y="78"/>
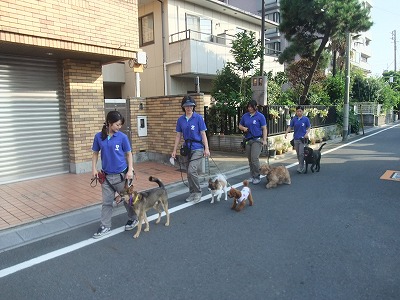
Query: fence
<point x="277" y="118"/>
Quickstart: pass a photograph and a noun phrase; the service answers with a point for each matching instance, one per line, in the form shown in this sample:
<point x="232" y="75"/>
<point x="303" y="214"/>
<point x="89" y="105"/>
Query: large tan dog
<point x="143" y="201"/>
<point x="275" y="175"/>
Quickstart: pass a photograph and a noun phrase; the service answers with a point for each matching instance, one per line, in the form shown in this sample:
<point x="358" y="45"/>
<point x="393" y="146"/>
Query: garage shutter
<point x="33" y="127"/>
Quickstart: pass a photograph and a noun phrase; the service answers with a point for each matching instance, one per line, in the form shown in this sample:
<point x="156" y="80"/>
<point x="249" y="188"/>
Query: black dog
<point x="312" y="157"/>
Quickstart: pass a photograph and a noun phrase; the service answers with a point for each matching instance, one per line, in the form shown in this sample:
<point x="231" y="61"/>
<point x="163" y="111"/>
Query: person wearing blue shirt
<point x="117" y="164"/>
<point x="254" y="125"/>
<point x="192" y="128"/>
<point x="301" y="127"/>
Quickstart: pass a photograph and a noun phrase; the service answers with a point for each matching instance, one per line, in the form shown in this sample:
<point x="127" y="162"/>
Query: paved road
<point x="329" y="235"/>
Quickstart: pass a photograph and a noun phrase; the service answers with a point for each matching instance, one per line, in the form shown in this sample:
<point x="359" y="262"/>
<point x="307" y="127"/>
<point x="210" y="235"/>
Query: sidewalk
<point x="37" y="208"/>
<point x="33" y="209"/>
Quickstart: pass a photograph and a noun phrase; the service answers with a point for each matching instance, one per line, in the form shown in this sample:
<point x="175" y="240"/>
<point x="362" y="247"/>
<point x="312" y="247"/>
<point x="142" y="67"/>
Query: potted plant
<point x="278" y="145"/>
<point x="288" y="119"/>
<point x="274" y="114"/>
<point x="271" y="148"/>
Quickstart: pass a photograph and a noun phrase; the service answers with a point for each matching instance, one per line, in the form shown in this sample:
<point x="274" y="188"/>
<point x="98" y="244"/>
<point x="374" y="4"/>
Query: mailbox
<point x="142" y="125"/>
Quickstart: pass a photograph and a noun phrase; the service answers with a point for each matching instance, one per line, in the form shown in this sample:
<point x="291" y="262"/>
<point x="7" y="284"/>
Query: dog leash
<point x="220" y="172"/>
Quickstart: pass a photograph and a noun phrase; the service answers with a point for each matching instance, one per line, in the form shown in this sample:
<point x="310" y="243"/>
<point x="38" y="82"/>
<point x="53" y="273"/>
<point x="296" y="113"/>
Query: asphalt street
<point x="328" y="235"/>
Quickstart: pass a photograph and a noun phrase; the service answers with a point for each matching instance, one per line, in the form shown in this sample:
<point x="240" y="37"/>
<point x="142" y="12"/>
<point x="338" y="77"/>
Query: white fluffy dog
<point x="217" y="186"/>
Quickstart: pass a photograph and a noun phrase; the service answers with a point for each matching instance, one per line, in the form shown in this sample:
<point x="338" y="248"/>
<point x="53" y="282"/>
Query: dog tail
<point x="245" y="183"/>
<point x="154" y="179"/>
<point x="321" y="146"/>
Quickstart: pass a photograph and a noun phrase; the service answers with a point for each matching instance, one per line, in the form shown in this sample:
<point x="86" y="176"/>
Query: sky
<point x="386" y="17"/>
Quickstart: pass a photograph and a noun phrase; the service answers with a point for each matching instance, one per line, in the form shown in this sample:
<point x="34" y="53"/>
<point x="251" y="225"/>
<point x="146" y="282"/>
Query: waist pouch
<point x="101" y="176"/>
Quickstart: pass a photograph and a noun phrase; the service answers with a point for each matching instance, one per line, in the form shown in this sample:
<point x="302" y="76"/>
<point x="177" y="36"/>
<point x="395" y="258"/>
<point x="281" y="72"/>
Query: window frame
<point x="142" y="35"/>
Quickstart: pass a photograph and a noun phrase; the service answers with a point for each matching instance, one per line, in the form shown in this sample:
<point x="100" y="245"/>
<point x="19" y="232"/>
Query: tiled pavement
<point x="37" y="199"/>
<point x="31" y="200"/>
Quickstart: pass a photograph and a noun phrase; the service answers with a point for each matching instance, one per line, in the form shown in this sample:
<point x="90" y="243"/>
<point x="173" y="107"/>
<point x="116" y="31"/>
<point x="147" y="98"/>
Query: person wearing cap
<point x="192" y="128"/>
<point x="254" y="126"/>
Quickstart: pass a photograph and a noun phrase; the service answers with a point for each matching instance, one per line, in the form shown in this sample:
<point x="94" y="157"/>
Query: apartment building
<point x="51" y="82"/>
<point x="276" y="42"/>
<point x="186" y="42"/>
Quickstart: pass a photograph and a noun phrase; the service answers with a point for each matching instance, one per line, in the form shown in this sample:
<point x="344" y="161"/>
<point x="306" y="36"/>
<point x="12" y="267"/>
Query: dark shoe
<point x="131" y="224"/>
<point x="102" y="231"/>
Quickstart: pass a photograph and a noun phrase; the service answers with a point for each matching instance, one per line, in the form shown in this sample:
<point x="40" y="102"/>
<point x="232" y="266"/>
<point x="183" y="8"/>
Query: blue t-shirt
<point x="191" y="129"/>
<point x="254" y="124"/>
<point x="112" y="152"/>
<point x="299" y="126"/>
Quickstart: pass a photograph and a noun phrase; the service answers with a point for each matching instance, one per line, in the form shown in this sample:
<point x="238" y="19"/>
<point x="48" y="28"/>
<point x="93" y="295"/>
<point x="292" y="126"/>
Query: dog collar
<point x="136" y="199"/>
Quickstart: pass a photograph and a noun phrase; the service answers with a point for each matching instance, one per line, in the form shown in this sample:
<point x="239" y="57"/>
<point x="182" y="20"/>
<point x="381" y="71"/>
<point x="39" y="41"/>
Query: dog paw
<point x="135" y="236"/>
<point x="212" y="201"/>
<point x="166" y="224"/>
<point x="147" y="229"/>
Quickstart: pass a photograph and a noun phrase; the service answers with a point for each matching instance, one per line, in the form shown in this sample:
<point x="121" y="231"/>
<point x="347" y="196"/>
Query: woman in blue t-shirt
<point x="117" y="164"/>
<point x="254" y="125"/>
<point x="192" y="128"/>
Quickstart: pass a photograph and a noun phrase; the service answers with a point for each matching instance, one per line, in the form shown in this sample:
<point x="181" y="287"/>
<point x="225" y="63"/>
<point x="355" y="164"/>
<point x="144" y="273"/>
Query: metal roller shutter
<point x="33" y="126"/>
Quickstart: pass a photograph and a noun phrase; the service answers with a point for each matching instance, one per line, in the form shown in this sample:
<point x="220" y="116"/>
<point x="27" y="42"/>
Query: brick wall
<point x="107" y="27"/>
<point x="84" y="110"/>
<point x="162" y="114"/>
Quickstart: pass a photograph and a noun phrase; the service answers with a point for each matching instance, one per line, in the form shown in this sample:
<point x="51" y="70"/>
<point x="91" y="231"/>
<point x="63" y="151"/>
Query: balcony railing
<point x="222" y="38"/>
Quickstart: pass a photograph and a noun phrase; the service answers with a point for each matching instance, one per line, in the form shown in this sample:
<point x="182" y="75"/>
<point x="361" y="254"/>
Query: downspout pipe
<point x="163" y="46"/>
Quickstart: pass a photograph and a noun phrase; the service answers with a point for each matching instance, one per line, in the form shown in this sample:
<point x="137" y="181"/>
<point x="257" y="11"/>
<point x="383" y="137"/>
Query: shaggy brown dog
<point x="275" y="175"/>
<point x="240" y="197"/>
<point x="143" y="201"/>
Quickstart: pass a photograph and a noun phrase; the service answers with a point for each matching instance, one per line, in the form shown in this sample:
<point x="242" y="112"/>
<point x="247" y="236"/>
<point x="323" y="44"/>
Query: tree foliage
<point x="308" y="25"/>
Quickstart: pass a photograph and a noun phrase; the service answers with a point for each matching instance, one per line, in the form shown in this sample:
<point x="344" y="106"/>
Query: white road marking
<point x="45" y="257"/>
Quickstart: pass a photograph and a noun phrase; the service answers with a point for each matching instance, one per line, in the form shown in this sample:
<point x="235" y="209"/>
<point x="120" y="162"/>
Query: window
<point x="200" y="28"/>
<point x="276" y="17"/>
<point x="273" y="48"/>
<point x="146" y="30"/>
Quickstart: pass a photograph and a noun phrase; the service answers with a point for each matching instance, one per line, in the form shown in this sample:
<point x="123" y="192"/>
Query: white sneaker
<point x="190" y="198"/>
<point x="197" y="197"/>
<point x="250" y="180"/>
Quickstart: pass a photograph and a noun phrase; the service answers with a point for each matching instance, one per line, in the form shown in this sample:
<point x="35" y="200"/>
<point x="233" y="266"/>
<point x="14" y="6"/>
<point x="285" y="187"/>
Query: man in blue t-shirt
<point x="301" y="127"/>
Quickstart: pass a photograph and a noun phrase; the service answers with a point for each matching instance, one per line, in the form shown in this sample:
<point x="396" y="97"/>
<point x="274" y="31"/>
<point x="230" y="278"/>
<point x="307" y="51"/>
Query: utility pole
<point x="262" y="37"/>
<point x="347" y="89"/>
<point x="395" y="42"/>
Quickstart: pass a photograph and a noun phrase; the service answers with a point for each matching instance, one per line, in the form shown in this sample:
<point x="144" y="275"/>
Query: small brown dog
<point x="240" y="197"/>
<point x="275" y="175"/>
<point x="143" y="201"/>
